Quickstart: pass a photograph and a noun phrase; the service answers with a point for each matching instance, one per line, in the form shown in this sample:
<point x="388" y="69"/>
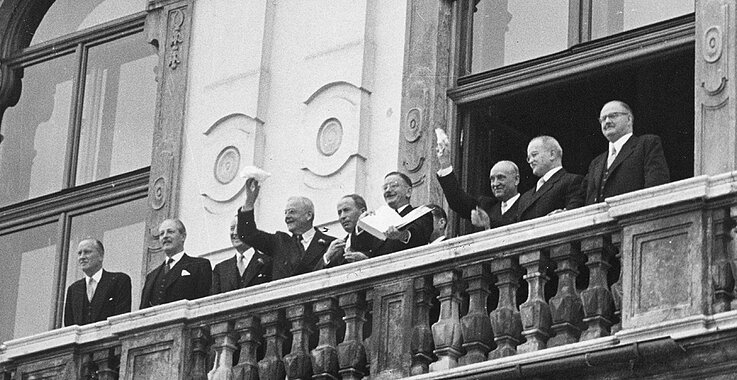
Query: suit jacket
<point x="190" y="286"/>
<point x="420" y="231"/>
<point x="561" y="191"/>
<point x="639" y="164"/>
<point x="463" y="203"/>
<point x="282" y="248"/>
<point x="225" y="276"/>
<point x="112" y="297"/>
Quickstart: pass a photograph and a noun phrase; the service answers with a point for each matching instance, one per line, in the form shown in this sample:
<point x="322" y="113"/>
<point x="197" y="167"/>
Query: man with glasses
<point x="397" y="193"/>
<point x="631" y="162"/>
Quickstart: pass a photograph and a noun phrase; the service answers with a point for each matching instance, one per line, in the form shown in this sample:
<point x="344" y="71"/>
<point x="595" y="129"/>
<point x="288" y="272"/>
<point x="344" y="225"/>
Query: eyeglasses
<point x="612" y="116"/>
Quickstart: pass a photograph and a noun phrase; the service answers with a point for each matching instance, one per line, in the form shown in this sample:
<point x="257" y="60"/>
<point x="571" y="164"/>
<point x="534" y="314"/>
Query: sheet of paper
<point x="256" y="173"/>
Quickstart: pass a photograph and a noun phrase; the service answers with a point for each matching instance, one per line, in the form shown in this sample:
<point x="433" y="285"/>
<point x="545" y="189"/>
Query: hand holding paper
<point x="258" y="174"/>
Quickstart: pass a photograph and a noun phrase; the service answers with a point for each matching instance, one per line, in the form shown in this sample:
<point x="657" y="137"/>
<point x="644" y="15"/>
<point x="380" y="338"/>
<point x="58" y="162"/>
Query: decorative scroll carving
<point x="413" y="125"/>
<point x="325" y="355"/>
<point x="227" y="164"/>
<point x="712" y="44"/>
<point x="476" y="325"/>
<point x="272" y="366"/>
<point x="159" y="193"/>
<point x="422" y="344"/>
<point x="249" y="329"/>
<point x="566" y="310"/>
<point x="298" y="362"/>
<point x="351" y="352"/>
<point x="177" y="38"/>
<point x="329" y="137"/>
<point x="505" y="319"/>
<point x="446" y="332"/>
<point x="535" y="312"/>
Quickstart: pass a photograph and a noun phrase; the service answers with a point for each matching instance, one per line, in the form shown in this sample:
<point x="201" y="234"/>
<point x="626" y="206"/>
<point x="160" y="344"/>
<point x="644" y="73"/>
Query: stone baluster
<point x="88" y="367"/>
<point x="351" y="352"/>
<point x="325" y="355"/>
<point x="476" y="325"/>
<point x="566" y="310"/>
<point x="535" y="312"/>
<point x="224" y="345"/>
<point x="200" y="341"/>
<point x="368" y="332"/>
<point x="107" y="362"/>
<point x="446" y="331"/>
<point x="272" y="366"/>
<point x="617" y="290"/>
<point x="596" y="299"/>
<point x="298" y="362"/>
<point x="422" y="345"/>
<point x="505" y="319"/>
<point x="248" y="330"/>
<point x="725" y="287"/>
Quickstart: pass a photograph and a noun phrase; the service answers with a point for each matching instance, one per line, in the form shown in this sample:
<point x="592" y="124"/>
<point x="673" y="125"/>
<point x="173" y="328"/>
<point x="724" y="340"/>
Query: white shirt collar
<point x="438" y="239"/>
<point x="550" y="173"/>
<point x="619" y="143"/>
<point x="176" y="259"/>
<point x="97" y="276"/>
<point x="399" y="210"/>
<point x="247" y="255"/>
<point x="508" y="203"/>
<point x="307" y="237"/>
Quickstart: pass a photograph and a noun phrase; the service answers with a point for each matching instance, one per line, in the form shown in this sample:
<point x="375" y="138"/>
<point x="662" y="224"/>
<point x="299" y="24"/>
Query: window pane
<point x="121" y="229"/>
<point x="68" y="16"/>
<point x="118" y="112"/>
<point x="614" y="16"/>
<point x="507" y="32"/>
<point x="35" y="132"/>
<point x="27" y="297"/>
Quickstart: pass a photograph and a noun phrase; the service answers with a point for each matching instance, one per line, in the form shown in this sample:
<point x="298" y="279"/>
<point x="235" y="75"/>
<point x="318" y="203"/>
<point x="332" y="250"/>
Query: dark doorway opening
<point x="659" y="88"/>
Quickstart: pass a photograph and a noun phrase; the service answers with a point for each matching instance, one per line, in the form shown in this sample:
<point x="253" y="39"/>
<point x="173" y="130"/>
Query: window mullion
<point x="62" y="254"/>
<point x="579" y="22"/>
<point x="75" y="118"/>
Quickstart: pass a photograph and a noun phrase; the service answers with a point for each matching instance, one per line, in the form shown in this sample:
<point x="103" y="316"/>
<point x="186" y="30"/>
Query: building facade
<point x="149" y="109"/>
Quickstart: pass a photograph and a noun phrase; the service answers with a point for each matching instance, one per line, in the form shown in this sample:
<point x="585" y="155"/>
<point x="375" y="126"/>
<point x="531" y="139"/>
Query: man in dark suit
<point x="340" y="251"/>
<point x="248" y="267"/>
<point x="298" y="252"/>
<point x="556" y="189"/>
<point x="484" y="212"/>
<point x="397" y="194"/>
<point x="180" y="276"/>
<point x="631" y="162"/>
<point x="100" y="294"/>
<point x="439" y="222"/>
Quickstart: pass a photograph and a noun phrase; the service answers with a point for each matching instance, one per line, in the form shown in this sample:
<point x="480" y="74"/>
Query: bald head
<point x="504" y="179"/>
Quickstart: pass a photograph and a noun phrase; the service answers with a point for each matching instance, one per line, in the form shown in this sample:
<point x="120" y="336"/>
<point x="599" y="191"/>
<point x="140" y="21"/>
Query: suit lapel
<point x="253" y="268"/>
<point x="100" y="293"/>
<point x="543" y="189"/>
<point x="231" y="273"/>
<point x="315" y="248"/>
<point x="80" y="293"/>
<point x="176" y="271"/>
<point x="626" y="150"/>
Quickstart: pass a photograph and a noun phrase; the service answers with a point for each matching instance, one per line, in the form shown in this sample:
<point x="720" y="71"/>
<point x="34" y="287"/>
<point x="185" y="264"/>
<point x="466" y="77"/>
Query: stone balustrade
<point x="643" y="268"/>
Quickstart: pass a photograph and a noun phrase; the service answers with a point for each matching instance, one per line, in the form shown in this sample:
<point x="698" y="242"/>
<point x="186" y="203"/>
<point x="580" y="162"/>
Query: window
<point x="75" y="154"/>
<point x="528" y="68"/>
<point x="508" y="32"/>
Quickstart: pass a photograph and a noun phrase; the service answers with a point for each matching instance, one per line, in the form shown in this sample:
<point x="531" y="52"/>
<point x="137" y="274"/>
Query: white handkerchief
<point x="185" y="272"/>
<point x="442" y="138"/>
<point x="253" y="172"/>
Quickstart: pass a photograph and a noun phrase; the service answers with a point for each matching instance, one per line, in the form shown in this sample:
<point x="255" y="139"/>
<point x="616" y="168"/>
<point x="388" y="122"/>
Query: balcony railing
<point x="537" y="298"/>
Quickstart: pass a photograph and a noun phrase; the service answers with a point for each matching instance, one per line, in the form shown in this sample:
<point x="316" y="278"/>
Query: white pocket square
<point x="185" y="272"/>
<point x="111" y="298"/>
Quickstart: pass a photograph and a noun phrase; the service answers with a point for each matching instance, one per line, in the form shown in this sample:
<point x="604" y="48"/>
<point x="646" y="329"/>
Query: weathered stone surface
<point x="476" y="325"/>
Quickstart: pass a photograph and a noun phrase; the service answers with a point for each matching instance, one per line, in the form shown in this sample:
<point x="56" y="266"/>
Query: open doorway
<point x="659" y="88"/>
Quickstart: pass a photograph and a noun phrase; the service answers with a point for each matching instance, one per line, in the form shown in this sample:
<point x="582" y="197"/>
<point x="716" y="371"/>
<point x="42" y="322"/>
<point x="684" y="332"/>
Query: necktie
<point x="540" y="183"/>
<point x="298" y="239"/>
<point x="611" y="158"/>
<point x="241" y="263"/>
<point x="167" y="267"/>
<point x="91" y="285"/>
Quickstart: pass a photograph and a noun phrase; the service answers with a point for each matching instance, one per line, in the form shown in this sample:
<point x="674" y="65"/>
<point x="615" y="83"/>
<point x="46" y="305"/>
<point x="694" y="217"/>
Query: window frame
<point x="72" y="200"/>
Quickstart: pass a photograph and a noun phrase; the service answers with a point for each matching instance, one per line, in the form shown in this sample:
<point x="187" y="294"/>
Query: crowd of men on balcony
<point x="631" y="163"/>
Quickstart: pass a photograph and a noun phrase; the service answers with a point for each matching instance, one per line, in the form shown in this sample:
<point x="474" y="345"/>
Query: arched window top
<point x="68" y="16"/>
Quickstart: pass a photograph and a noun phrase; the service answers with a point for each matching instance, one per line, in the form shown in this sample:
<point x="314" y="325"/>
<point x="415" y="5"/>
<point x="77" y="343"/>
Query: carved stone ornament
<point x="413" y="129"/>
<point x="330" y="136"/>
<point x="227" y="165"/>
<point x="158" y="198"/>
<point x="713" y="44"/>
<point x="177" y="20"/>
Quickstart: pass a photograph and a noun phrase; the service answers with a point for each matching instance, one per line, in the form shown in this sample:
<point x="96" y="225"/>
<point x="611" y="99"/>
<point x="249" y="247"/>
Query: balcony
<point x="540" y="299"/>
